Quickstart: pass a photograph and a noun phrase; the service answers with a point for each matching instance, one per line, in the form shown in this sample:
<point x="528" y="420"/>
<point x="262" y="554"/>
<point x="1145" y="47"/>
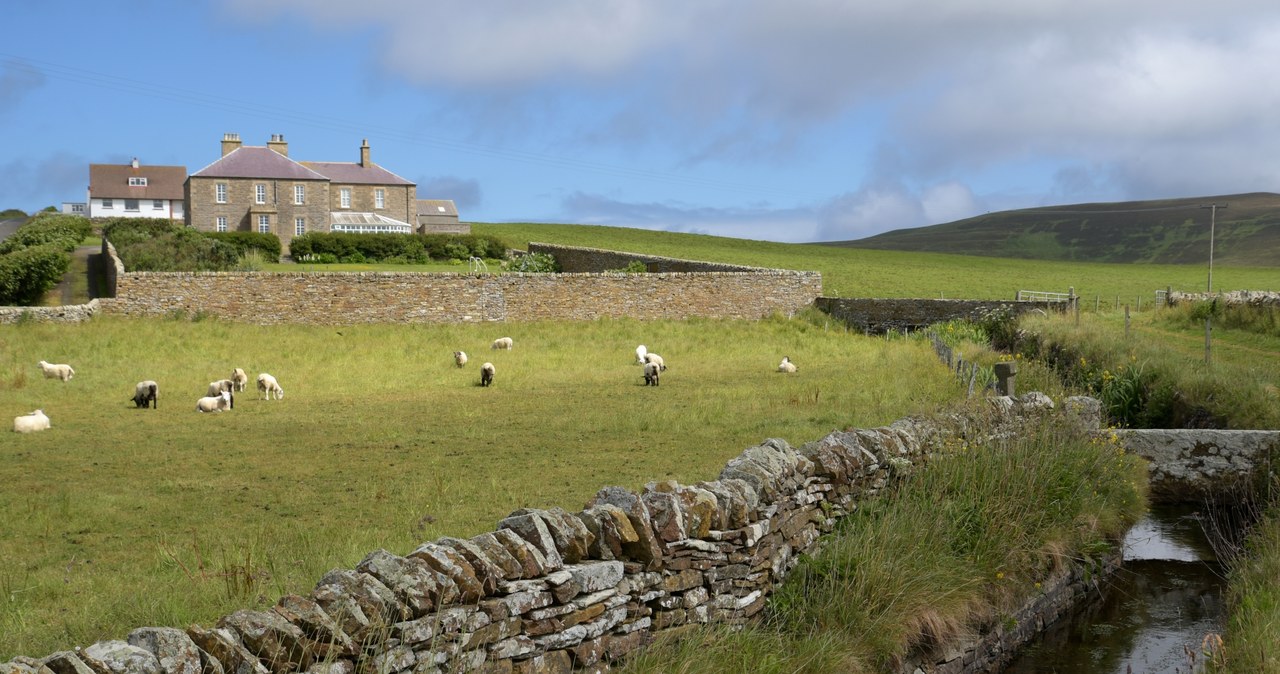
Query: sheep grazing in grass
<point x="486" y="374"/>
<point x="30" y="423"/>
<point x="651" y="372"/>
<point x="217" y="403"/>
<point x="216" y="387"/>
<point x="57" y="370"/>
<point x="240" y="378"/>
<point x="460" y="357"/>
<point x="786" y="365"/>
<point x="641" y="351"/>
<point x="268" y="386"/>
<point x="654" y="358"/>
<point x="502" y="343"/>
<point x="144" y="394"/>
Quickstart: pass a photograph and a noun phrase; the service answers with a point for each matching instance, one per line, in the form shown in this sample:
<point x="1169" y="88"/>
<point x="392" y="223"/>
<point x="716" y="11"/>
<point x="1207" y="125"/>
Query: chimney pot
<point x="278" y="144"/>
<point x="135" y="162"/>
<point x="365" y="161"/>
<point x="230" y="143"/>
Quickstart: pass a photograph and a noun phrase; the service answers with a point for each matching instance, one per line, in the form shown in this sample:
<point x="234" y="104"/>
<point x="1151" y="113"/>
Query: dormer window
<point x="135" y="181"/>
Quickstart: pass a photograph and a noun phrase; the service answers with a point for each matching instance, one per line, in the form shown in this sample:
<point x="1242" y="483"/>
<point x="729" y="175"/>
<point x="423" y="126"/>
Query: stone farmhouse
<point x="134" y="191"/>
<point x="261" y="189"/>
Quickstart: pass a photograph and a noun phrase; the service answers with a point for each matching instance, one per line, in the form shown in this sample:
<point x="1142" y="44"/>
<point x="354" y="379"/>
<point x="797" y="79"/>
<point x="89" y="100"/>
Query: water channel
<point x="1159" y="607"/>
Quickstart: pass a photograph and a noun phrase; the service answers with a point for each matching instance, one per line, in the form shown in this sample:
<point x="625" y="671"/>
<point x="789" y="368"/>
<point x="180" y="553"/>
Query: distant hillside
<point x="1170" y="231"/>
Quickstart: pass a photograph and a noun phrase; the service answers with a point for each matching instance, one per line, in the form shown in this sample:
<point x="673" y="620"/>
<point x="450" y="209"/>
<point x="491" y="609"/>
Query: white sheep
<point x="30" y="423"/>
<point x="144" y="394"/>
<point x="59" y="370"/>
<point x="217" y="403"/>
<point x="502" y="343"/>
<point x="640" y="354"/>
<point x="268" y="386"/>
<point x="652" y="357"/>
<point x="786" y="365"/>
<point x="217" y="387"/>
<point x="651" y="371"/>
<point x="240" y="378"/>
<point x="460" y="357"/>
<point x="486" y="374"/>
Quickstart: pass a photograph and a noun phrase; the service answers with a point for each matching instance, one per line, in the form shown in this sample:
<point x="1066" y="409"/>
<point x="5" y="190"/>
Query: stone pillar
<point x="1005" y="375"/>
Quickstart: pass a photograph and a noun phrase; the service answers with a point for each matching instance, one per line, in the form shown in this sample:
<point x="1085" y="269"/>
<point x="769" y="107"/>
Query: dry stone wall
<point x="69" y="313"/>
<point x="887" y="315"/>
<point x="577" y="259"/>
<point x="1189" y="465"/>
<point x="1257" y="298"/>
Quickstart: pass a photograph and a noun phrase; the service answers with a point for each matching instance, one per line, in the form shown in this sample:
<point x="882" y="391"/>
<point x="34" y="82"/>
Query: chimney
<point x="365" y="162"/>
<point x="135" y="162"/>
<point x="230" y="143"/>
<point x="278" y="144"/>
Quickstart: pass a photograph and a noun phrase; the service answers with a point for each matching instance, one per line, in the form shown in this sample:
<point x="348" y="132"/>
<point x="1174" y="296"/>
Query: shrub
<point x="463" y="246"/>
<point x="11" y="213"/>
<point x="124" y="232"/>
<point x="633" y="267"/>
<point x="26" y="274"/>
<point x="267" y="245"/>
<point x="180" y="250"/>
<point x="64" y="231"/>
<point x="534" y="263"/>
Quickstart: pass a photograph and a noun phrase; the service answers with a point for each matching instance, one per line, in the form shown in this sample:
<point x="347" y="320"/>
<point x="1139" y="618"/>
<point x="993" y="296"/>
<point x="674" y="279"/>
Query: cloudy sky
<point x="805" y="120"/>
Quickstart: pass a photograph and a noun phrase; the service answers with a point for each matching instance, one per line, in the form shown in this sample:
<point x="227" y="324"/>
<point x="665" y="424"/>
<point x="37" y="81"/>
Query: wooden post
<point x="1208" y="342"/>
<point x="1126" y="322"/>
<point x="1139" y="302"/>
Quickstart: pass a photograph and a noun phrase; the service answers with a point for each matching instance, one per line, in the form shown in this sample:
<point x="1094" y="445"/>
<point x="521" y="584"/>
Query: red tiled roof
<point x="355" y="174"/>
<point x="252" y="161"/>
<point x="111" y="181"/>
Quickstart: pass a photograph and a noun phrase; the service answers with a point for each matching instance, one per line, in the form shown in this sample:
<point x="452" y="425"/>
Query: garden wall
<point x="887" y="315"/>
<point x="576" y="259"/>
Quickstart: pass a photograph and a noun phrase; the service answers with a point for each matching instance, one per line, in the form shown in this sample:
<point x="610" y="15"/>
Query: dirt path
<point x="84" y="262"/>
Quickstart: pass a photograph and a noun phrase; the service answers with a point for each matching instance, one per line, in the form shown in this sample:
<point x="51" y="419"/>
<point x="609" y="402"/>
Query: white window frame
<point x="77" y="208"/>
<point x="299" y="195"/>
<point x="264" y="223"/>
<point x="220" y="224"/>
<point x="299" y="226"/>
<point x="379" y="198"/>
<point x="157" y="204"/>
<point x="136" y="205"/>
<point x="344" y="197"/>
<point x="137" y="181"/>
<point x="260" y="193"/>
<point x="107" y="204"/>
<point x="220" y="193"/>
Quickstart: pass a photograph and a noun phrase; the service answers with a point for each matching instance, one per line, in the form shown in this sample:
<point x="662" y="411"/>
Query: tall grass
<point x="120" y="517"/>
<point x="955" y="549"/>
<point x="1253" y="627"/>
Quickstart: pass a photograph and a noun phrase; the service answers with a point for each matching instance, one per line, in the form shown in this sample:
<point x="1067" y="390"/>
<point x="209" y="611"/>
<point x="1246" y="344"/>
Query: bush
<point x="11" y="213"/>
<point x="26" y="274"/>
<point x="64" y="231"/>
<point x="124" y="232"/>
<point x="267" y="245"/>
<point x="534" y="263"/>
<point x="463" y="246"/>
<point x="410" y="249"/>
<point x="180" y="250"/>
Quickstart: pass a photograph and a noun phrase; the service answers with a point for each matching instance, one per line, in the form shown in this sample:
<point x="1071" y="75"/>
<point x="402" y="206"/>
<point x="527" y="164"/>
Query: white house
<point x="134" y="191"/>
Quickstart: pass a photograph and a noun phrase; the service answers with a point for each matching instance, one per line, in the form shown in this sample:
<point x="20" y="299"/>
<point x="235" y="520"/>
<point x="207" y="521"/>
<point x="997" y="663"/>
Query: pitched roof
<point x="355" y="174"/>
<point x="436" y="207"/>
<point x="111" y="181"/>
<point x="254" y="161"/>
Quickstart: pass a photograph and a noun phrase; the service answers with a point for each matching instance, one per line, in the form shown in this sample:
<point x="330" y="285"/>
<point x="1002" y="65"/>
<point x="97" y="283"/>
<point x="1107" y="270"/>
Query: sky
<point x="796" y="121"/>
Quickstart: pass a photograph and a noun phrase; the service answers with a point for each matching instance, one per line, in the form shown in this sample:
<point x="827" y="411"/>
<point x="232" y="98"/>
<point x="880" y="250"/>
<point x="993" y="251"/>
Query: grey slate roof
<point x="111" y="181"/>
<point x="355" y="174"/>
<point x="251" y="161"/>
<point x="437" y="207"/>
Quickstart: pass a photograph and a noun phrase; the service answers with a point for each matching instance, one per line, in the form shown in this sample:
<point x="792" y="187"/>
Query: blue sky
<point x="806" y="120"/>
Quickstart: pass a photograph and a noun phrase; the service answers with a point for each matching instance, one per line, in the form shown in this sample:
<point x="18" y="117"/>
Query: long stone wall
<point x="888" y="315"/>
<point x="1257" y="298"/>
<point x="553" y="591"/>
<point x="68" y="313"/>
<point x="577" y="259"/>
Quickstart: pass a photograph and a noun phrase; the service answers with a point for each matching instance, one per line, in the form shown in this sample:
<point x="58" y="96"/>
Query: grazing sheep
<point x="217" y="403"/>
<point x="460" y="357"/>
<point x="216" y="387"/>
<point x="486" y="374"/>
<point x="641" y="351"/>
<point x="502" y="343"/>
<point x="30" y="423"/>
<point x="144" y="394"/>
<point x="268" y="386"/>
<point x="652" y="357"/>
<point x="786" y="365"/>
<point x="240" y="378"/>
<point x="651" y="371"/>
<point x="59" y="370"/>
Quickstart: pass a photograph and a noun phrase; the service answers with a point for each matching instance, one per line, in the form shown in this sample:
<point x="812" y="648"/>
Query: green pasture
<point x="119" y="517"/>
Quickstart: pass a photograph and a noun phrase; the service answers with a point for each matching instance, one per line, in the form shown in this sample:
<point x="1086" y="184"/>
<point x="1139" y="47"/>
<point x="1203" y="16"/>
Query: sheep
<point x="486" y="374"/>
<point x="268" y="387"/>
<point x="144" y="394"/>
<point x="651" y="371"/>
<point x="217" y="403"/>
<point x="502" y="343"/>
<point x="460" y="357"/>
<point x="30" y="423"/>
<point x="652" y="357"/>
<point x="217" y="387"/>
<point x="59" y="370"/>
<point x="641" y="351"/>
<point x="786" y="365"/>
<point x="240" y="378"/>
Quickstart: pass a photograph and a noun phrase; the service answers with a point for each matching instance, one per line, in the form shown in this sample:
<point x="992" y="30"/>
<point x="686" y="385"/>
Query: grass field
<point x="121" y="517"/>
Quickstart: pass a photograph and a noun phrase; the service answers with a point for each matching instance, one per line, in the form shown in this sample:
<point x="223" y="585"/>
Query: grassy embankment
<point x="119" y="518"/>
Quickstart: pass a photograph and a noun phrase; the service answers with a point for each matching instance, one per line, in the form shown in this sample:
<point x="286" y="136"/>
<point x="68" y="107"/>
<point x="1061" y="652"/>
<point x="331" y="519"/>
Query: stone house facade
<point x="261" y="189"/>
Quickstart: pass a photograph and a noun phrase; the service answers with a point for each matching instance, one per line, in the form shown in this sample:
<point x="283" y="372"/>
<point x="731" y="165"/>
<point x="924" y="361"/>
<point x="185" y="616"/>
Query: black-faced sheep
<point x="217" y="403"/>
<point x="30" y="423"/>
<point x="651" y="372"/>
<point x="144" y="394"/>
<point x="786" y="365"/>
<point x="503" y="343"/>
<point x="460" y="357"/>
<point x="57" y="371"/>
<point x="486" y="374"/>
<point x="268" y="386"/>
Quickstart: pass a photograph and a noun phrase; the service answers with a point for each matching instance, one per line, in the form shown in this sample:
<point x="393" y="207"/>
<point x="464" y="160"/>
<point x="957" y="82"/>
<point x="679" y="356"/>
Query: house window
<point x="379" y="198"/>
<point x="264" y="224"/>
<point x="157" y="204"/>
<point x="260" y="193"/>
<point x="220" y="193"/>
<point x="222" y="223"/>
<point x="77" y="208"/>
<point x="107" y="204"/>
<point x="130" y="204"/>
<point x="299" y="194"/>
<point x="344" y="197"/>
<point x="299" y="226"/>
<point x="137" y="182"/>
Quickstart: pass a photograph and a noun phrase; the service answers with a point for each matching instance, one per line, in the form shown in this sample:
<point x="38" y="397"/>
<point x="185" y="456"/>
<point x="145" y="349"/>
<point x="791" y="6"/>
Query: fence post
<point x="1006" y="373"/>
<point x="1126" y="322"/>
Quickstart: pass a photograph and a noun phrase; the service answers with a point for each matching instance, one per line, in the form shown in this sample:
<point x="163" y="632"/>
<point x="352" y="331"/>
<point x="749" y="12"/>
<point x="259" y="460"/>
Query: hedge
<point x="26" y="274"/>
<point x="268" y="244"/>
<point x="414" y="248"/>
<point x="146" y="244"/>
<point x="63" y="231"/>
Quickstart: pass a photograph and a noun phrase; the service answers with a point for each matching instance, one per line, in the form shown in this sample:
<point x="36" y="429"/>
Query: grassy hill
<point x="855" y="272"/>
<point x="1168" y="231"/>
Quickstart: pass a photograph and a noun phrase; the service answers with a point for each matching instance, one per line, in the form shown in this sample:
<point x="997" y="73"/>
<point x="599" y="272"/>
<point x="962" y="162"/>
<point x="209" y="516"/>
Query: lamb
<point x="217" y="403"/>
<point x="486" y="374"/>
<point x="240" y="378"/>
<point x="502" y="343"/>
<point x="460" y="357"/>
<point x="652" y="357"/>
<point x="30" y="423"/>
<point x="59" y="370"/>
<point x="144" y="394"/>
<point x="651" y="371"/>
<point x="786" y="365"/>
<point x="216" y="387"/>
<point x="268" y="387"/>
<point x="641" y="351"/>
